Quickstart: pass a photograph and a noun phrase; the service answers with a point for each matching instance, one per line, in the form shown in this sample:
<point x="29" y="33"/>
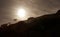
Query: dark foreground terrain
<point x="43" y="26"/>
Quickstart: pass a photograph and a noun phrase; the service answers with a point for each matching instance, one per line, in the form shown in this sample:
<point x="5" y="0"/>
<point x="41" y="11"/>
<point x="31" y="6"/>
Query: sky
<point x="34" y="8"/>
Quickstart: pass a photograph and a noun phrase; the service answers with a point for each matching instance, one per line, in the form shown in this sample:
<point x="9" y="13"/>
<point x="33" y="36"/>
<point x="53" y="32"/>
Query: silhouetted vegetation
<point x="43" y="26"/>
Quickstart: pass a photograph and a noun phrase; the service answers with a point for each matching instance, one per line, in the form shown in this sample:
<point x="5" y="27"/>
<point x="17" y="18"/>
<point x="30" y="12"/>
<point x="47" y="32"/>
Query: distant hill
<point x="43" y="26"/>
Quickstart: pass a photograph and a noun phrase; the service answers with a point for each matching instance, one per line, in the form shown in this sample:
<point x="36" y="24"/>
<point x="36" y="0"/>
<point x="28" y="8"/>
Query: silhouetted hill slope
<point x="43" y="26"/>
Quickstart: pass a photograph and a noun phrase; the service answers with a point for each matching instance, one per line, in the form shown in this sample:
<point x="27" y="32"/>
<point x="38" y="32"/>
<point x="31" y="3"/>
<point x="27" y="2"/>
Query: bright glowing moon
<point x="21" y="13"/>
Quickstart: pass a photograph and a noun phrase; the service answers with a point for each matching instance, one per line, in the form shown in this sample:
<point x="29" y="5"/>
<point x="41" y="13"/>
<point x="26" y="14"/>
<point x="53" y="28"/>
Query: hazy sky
<point x="8" y="8"/>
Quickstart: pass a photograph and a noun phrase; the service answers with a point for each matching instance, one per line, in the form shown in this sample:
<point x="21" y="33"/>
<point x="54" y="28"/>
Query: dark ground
<point x="43" y="26"/>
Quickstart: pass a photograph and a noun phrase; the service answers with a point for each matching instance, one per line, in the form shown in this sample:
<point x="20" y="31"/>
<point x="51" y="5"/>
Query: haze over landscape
<point x="29" y="18"/>
<point x="34" y="8"/>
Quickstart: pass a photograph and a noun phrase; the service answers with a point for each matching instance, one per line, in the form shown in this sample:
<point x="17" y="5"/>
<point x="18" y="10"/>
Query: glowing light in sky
<point x="21" y="13"/>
